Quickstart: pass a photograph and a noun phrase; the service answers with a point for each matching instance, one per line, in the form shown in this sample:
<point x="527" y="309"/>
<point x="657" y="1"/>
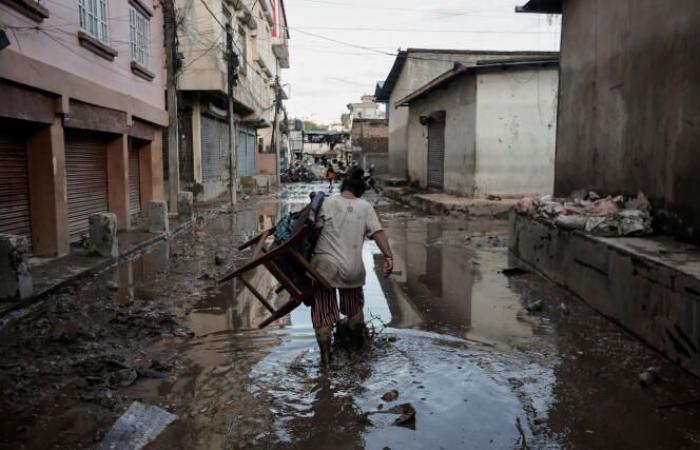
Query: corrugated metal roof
<point x="481" y="66"/>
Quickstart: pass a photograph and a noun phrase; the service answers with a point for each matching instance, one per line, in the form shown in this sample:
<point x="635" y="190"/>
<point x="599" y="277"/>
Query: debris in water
<point x="535" y="306"/>
<point x="649" y="376"/>
<point x="112" y="285"/>
<point x="564" y="309"/>
<point x="138" y="426"/>
<point x="407" y="417"/>
<point x="390" y="396"/>
<point x="513" y="271"/>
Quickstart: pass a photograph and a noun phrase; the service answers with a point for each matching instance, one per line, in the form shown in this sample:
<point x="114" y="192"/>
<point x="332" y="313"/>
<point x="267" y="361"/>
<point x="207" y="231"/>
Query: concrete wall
<point x="650" y="286"/>
<point x="459" y="103"/>
<point x="516" y="131"/>
<point x="630" y="105"/>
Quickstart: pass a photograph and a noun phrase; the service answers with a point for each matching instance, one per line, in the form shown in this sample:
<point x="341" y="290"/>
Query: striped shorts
<point x="324" y="309"/>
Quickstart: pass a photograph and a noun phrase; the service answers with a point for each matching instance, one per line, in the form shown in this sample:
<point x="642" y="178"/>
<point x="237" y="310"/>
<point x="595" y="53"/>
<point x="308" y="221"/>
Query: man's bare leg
<point x="323" y="337"/>
<point x="357" y="326"/>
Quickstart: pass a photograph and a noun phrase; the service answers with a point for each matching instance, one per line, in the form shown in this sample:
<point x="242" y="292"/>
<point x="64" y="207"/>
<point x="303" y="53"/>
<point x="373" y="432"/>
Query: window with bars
<point x="93" y="18"/>
<point x="139" y="32"/>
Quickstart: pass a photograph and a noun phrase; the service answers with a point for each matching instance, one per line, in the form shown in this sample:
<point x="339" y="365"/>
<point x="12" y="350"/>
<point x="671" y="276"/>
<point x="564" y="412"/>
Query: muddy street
<point x="462" y="354"/>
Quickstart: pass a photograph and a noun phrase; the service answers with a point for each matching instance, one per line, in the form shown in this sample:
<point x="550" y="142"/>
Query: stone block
<point x="102" y="235"/>
<point x="185" y="205"/>
<point x="15" y="279"/>
<point x="158" y="217"/>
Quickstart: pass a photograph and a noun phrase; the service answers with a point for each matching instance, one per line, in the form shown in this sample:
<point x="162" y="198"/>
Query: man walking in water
<point x="347" y="220"/>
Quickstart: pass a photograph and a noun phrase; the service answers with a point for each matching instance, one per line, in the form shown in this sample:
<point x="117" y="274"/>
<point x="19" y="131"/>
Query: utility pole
<point x="170" y="35"/>
<point x="232" y="59"/>
<point x="278" y="105"/>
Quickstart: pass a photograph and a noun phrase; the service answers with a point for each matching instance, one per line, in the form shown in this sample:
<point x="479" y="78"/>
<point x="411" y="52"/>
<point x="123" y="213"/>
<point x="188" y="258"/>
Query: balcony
<point x="281" y="51"/>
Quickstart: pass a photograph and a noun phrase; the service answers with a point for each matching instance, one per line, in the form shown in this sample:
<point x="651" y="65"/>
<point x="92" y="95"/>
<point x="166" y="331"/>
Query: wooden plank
<point x="314" y="273"/>
<point x="257" y="294"/>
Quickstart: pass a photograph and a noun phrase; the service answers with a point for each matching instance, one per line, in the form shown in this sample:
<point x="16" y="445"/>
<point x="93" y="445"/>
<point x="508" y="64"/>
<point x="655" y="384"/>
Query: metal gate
<point x="86" y="179"/>
<point x="215" y="149"/>
<point x="15" y="216"/>
<point x="134" y="182"/>
<point x="436" y="153"/>
<point x="246" y="152"/>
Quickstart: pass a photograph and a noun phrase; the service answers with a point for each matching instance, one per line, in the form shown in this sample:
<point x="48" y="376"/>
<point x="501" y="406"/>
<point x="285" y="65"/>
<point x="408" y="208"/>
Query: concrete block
<point x="158" y="217"/>
<point x="102" y="237"/>
<point x="185" y="205"/>
<point x="650" y="285"/>
<point x="15" y="279"/>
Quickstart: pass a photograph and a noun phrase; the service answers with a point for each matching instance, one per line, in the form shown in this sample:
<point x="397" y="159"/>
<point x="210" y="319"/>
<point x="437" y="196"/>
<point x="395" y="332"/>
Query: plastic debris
<point x="137" y="427"/>
<point x="535" y="306"/>
<point x="649" y="376"/>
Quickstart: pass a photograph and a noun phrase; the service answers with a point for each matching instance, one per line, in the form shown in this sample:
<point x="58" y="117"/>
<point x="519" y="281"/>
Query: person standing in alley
<point x="330" y="176"/>
<point x="346" y="221"/>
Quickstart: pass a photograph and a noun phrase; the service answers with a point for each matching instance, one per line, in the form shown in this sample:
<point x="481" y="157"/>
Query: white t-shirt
<point x="338" y="255"/>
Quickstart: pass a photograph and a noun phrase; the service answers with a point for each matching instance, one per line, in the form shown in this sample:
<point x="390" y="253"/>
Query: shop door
<point x="15" y="216"/>
<point x="86" y="179"/>
<point x="246" y="152"/>
<point x="134" y="182"/>
<point x="436" y="154"/>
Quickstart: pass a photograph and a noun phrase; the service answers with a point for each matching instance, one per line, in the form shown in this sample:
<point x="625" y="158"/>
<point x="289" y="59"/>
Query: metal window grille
<point x="93" y="18"/>
<point x="139" y="31"/>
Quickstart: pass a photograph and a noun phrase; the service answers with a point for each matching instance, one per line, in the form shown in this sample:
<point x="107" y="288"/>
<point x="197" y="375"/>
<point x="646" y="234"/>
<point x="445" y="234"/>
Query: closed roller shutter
<point x="246" y="152"/>
<point x="86" y="180"/>
<point x="436" y="154"/>
<point x="210" y="149"/>
<point x="15" y="215"/>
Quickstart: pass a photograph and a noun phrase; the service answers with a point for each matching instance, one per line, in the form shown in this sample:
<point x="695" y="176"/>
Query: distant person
<point x="346" y="220"/>
<point x="330" y="176"/>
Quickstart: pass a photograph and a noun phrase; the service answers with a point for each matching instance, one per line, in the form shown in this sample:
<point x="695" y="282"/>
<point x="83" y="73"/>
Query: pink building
<point x="81" y="115"/>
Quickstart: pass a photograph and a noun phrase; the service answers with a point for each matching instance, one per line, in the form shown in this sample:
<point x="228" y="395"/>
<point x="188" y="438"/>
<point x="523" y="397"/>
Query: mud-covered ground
<point x="453" y="338"/>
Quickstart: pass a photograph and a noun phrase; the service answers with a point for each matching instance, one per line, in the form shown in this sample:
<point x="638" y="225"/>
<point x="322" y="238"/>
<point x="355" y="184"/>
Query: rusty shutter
<point x="436" y="154"/>
<point x="134" y="182"/>
<point x="86" y="180"/>
<point x="210" y="149"/>
<point x="15" y="215"/>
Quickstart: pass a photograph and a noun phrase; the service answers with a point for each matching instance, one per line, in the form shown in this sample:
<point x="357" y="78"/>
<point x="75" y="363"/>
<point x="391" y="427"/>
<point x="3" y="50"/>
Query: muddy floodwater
<point x="452" y="336"/>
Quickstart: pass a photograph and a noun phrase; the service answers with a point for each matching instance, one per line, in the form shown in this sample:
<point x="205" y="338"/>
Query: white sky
<point x="325" y="76"/>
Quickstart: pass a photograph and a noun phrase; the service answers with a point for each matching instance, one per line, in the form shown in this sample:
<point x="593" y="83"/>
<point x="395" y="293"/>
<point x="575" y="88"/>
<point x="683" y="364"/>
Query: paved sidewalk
<point x="51" y="274"/>
<point x="446" y="204"/>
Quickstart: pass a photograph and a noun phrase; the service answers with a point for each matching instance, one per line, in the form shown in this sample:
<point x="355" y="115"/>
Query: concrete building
<point x="629" y="102"/>
<point x="258" y="37"/>
<point x="370" y="143"/>
<point x="412" y="69"/>
<point x="485" y="129"/>
<point x="81" y="116"/>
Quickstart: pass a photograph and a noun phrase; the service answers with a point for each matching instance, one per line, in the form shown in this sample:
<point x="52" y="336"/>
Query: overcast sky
<point x="325" y="76"/>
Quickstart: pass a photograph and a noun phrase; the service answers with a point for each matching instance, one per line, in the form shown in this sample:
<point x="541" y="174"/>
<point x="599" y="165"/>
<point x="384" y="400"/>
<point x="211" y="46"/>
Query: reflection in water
<point x="449" y="288"/>
<point x="133" y="277"/>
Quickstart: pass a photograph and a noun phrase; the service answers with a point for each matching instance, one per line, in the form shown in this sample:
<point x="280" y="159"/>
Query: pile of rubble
<point x="587" y="211"/>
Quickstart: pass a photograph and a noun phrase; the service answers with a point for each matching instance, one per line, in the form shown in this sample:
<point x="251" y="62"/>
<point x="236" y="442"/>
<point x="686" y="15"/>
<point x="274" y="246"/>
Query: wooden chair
<point x="284" y="261"/>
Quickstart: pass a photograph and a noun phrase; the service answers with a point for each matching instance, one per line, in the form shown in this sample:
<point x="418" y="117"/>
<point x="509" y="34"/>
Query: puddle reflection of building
<point x="133" y="276"/>
<point x="432" y="285"/>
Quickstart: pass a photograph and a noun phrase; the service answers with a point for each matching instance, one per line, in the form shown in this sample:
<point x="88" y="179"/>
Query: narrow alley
<point x="452" y="336"/>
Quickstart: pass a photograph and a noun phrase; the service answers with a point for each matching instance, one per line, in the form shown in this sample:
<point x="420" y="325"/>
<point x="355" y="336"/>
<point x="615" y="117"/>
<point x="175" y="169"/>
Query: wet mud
<point x="452" y="337"/>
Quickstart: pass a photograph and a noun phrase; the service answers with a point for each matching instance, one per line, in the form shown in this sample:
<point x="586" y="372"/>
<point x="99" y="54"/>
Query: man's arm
<point x="383" y="243"/>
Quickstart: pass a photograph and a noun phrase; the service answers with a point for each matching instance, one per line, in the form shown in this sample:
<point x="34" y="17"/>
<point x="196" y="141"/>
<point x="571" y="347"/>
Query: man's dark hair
<point x="355" y="183"/>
